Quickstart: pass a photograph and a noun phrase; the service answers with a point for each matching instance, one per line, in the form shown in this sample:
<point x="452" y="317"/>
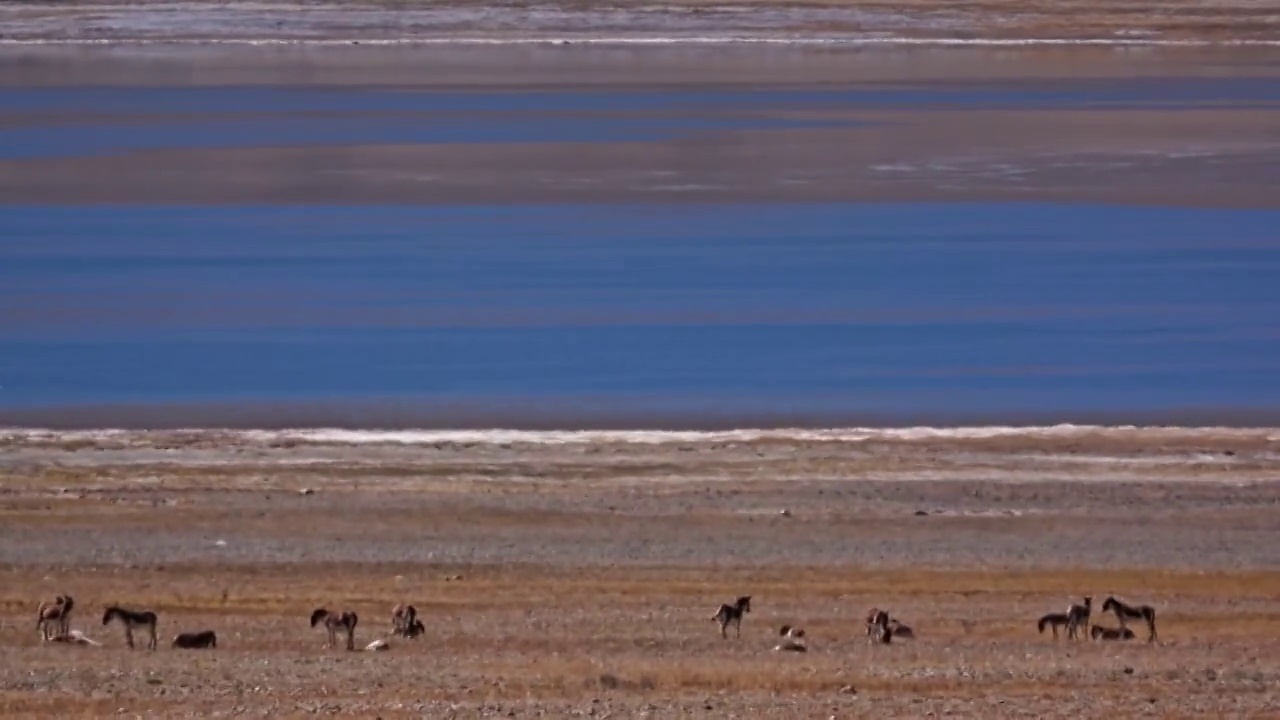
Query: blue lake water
<point x="943" y="308"/>
<point x="1002" y="307"/>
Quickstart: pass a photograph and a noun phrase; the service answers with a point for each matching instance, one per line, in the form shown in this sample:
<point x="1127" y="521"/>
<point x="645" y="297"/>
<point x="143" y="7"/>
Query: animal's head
<point x="784" y="630"/>
<point x="744" y="602"/>
<point x="881" y="618"/>
<point x="1127" y="634"/>
<point x="1088" y="600"/>
<point x="1108" y="604"/>
<point x="106" y="615"/>
<point x="871" y="615"/>
<point x="317" y="615"/>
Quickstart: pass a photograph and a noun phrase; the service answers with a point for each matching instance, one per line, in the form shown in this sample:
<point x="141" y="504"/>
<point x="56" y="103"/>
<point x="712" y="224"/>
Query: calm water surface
<point x="1000" y="307"/>
<point x="964" y="307"/>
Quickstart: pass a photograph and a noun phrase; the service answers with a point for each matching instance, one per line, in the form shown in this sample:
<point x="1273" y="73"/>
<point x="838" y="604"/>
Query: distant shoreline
<point x="773" y="21"/>
<point x="851" y="42"/>
<point x="598" y="415"/>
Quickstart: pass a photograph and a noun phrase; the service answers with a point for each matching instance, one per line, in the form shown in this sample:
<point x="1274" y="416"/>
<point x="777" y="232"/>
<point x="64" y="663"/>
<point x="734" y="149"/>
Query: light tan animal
<point x="55" y="616"/>
<point x="405" y="622"/>
<point x="793" y="640"/>
<point x="75" y="637"/>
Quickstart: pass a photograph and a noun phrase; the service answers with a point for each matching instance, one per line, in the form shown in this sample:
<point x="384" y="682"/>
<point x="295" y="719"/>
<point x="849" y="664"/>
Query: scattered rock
<point x="848" y="690"/>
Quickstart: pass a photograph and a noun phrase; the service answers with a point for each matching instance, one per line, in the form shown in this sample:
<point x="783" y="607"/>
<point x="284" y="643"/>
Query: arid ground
<point x="576" y="575"/>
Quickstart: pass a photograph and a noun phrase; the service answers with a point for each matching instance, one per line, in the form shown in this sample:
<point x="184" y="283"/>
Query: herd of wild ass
<point x="53" y="621"/>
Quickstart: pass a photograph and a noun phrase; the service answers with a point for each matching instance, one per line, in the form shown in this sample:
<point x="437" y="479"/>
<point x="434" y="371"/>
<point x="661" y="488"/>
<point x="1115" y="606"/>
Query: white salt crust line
<point x="632" y="40"/>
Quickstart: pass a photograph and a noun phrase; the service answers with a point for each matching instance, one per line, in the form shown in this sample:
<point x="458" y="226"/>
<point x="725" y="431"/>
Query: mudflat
<point x="460" y="124"/>
<point x="575" y="574"/>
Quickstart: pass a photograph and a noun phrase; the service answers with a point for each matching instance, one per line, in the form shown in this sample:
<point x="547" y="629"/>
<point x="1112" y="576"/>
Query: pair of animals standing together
<point x="404" y="623"/>
<point x="53" y="621"/>
<point x="1076" y="618"/>
<point x="879" y="625"/>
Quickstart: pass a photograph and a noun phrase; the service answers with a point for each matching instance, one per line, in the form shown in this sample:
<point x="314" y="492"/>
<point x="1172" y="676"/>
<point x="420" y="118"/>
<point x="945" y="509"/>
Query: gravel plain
<point x="574" y="574"/>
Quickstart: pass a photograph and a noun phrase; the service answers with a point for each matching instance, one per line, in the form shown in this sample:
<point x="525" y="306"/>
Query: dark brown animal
<point x="1124" y="612"/>
<point x="882" y="628"/>
<point x="901" y="630"/>
<point x="196" y="640"/>
<point x="1054" y="621"/>
<point x="732" y="614"/>
<point x="133" y="620"/>
<point x="1097" y="632"/>
<point x="333" y="622"/>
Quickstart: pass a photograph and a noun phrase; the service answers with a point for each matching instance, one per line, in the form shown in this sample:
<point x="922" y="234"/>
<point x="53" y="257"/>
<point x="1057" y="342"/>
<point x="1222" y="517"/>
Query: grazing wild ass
<point x="333" y="622"/>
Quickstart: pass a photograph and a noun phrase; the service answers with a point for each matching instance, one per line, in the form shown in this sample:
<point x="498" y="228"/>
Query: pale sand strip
<point x="546" y="65"/>
<point x="1144" y="21"/>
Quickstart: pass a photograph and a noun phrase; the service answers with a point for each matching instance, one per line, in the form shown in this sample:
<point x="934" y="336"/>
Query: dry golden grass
<point x="542" y="638"/>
